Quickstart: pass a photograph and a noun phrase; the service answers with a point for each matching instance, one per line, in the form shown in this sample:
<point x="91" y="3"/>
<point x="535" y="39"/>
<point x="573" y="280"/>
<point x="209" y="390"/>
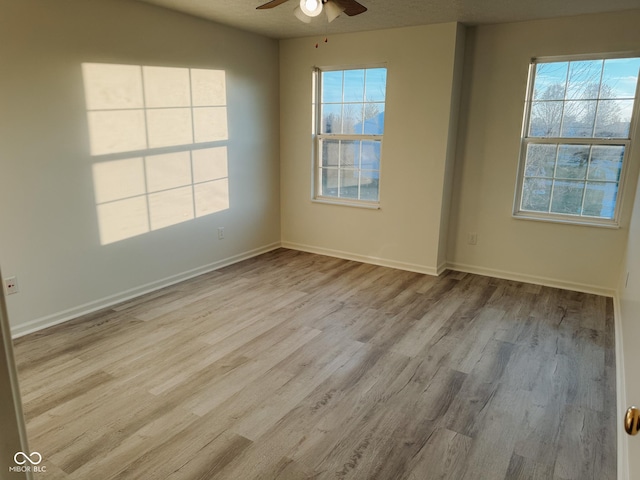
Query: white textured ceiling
<point x="280" y="22"/>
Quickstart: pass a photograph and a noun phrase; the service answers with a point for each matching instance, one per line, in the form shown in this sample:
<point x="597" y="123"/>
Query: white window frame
<point x="318" y="137"/>
<point x="526" y="140"/>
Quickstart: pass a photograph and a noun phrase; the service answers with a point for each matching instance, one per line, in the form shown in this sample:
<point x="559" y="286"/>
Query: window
<point x="576" y="138"/>
<point x="349" y="125"/>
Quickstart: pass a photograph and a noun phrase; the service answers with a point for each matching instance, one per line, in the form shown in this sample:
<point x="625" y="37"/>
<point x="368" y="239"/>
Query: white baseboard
<point x="441" y="268"/>
<point x="383" y="262"/>
<point x="105" y="302"/>
<point x="621" y="395"/>
<point x="521" y="277"/>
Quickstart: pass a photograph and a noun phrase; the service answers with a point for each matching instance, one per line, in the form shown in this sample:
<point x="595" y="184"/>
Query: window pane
<point x="578" y="118"/>
<point x="371" y="155"/>
<point x="584" y="79"/>
<point x="332" y="118"/>
<point x="352" y="120"/>
<point x="329" y="182"/>
<point x="349" y="183"/>
<point x="369" y="189"/>
<point x="330" y="153"/>
<point x="332" y="87"/>
<point x="349" y="154"/>
<point x="550" y="81"/>
<point x="374" y="118"/>
<point x="376" y="84"/>
<point x="354" y="86"/>
<point x="541" y="160"/>
<point x="606" y="163"/>
<point x="567" y="197"/>
<point x="600" y="199"/>
<point x="620" y="77"/>
<point x="536" y="194"/>
<point x="572" y="161"/>
<point x="614" y="118"/>
<point x="545" y="119"/>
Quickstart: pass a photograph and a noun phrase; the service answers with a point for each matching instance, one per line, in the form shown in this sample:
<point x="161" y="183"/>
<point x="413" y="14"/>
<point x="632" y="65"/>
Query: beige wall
<point x="405" y="231"/>
<point x="454" y="121"/>
<point x="50" y="237"/>
<point x="496" y="70"/>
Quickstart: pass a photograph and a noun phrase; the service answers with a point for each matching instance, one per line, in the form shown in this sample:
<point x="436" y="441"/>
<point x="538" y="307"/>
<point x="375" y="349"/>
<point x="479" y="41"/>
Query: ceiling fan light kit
<point x="300" y="15"/>
<point x="311" y="8"/>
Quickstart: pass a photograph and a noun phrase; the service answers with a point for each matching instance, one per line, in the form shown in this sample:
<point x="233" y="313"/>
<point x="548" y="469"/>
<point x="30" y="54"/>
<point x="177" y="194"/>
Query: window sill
<point x="347" y="203"/>
<point x="567" y="220"/>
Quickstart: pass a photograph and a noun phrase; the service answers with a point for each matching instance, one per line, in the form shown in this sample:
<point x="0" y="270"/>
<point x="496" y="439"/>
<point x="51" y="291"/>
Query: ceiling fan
<point x="312" y="8"/>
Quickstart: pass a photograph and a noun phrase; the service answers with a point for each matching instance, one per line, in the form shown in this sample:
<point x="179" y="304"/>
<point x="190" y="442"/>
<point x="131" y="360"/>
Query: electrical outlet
<point x="220" y="233"/>
<point x="472" y="239"/>
<point x="11" y="285"/>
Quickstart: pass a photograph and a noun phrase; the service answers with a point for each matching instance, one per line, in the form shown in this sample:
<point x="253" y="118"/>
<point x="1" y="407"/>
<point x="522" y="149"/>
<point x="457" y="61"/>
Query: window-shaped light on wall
<point x="141" y="194"/>
<point x="121" y="199"/>
<point x="115" y="108"/>
<point x="144" y="123"/>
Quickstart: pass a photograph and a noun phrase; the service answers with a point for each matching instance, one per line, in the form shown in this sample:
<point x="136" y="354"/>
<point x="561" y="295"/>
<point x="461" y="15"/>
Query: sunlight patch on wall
<point x="158" y="114"/>
<point x="141" y="194"/>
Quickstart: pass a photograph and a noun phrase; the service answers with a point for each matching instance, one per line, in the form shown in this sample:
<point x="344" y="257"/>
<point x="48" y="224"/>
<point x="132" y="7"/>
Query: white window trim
<point x="525" y="141"/>
<point x="316" y="197"/>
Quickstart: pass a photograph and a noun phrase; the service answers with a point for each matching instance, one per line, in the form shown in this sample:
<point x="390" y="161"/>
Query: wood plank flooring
<point x="299" y="366"/>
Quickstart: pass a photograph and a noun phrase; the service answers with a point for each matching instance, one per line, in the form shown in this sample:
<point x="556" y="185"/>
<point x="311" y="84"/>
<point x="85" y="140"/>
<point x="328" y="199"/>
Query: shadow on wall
<point x="159" y="145"/>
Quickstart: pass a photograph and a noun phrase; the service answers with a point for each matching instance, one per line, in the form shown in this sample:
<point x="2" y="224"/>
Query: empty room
<point x="319" y="239"/>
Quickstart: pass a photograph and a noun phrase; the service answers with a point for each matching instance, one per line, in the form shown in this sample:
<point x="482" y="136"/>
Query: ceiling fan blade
<point x="351" y="7"/>
<point x="271" y="4"/>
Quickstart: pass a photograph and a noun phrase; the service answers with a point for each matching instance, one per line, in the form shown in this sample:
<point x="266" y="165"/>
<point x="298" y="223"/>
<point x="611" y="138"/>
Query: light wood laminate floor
<point x="295" y="366"/>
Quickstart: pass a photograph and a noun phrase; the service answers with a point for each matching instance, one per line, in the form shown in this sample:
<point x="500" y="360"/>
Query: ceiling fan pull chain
<point x="326" y="40"/>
